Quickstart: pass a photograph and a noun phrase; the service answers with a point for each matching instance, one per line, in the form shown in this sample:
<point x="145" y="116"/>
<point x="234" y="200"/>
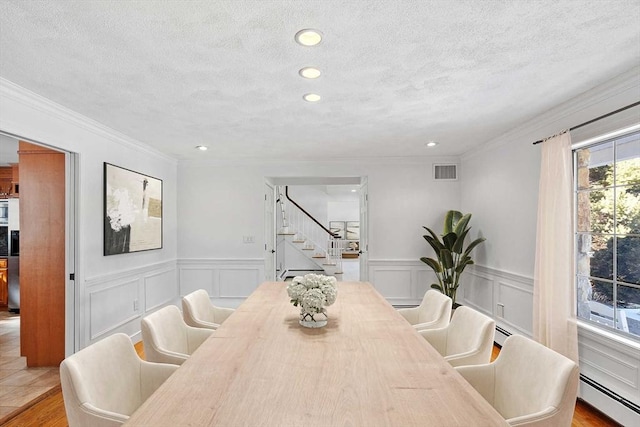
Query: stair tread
<point x="318" y="256"/>
<point x="298" y="241"/>
<point x="286" y="234"/>
<point x="308" y="249"/>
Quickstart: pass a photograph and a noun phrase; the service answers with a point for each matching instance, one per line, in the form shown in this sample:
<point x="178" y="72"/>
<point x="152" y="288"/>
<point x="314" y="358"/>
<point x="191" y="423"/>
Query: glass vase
<point x="312" y="320"/>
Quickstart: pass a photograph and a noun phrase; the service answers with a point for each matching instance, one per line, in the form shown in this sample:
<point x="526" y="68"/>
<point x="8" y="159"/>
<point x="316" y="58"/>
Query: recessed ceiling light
<point x="202" y="147"/>
<point x="431" y="144"/>
<point x="311" y="97"/>
<point x="308" y="37"/>
<point x="353" y="191"/>
<point x="309" y="73"/>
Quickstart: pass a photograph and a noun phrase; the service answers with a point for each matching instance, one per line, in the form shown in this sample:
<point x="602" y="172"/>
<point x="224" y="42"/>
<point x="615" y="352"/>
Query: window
<point x="607" y="196"/>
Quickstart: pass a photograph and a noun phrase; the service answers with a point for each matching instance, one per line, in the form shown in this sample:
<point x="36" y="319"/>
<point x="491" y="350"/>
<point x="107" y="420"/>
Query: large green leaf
<point x="461" y="225"/>
<point x="435" y="243"/>
<point x="473" y="245"/>
<point x="435" y="265"/>
<point x="434" y="235"/>
<point x="460" y="268"/>
<point x="450" y="221"/>
<point x="438" y="287"/>
<point x="445" y="258"/>
<point x="459" y="244"/>
<point x="449" y="240"/>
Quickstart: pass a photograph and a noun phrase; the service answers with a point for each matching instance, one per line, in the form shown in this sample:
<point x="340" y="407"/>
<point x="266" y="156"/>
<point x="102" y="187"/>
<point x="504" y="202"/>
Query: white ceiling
<point x="396" y="73"/>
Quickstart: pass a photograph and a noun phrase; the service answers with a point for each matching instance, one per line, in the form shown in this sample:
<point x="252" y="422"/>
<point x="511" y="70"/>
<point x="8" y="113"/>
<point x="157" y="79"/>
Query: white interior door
<point x="364" y="229"/>
<point x="269" y="233"/>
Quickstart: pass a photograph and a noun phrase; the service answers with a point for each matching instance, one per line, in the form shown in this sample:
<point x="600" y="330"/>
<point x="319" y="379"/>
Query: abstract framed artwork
<point x="353" y="230"/>
<point x="132" y="211"/>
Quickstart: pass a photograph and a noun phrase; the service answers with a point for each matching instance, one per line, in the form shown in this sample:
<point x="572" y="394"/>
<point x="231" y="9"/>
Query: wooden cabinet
<point x="6" y="178"/>
<point x="9" y="181"/>
<point x="4" y="283"/>
<point x="15" y="187"/>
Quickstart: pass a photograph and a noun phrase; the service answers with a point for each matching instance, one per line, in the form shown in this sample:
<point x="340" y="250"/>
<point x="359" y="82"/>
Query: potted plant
<point x="452" y="255"/>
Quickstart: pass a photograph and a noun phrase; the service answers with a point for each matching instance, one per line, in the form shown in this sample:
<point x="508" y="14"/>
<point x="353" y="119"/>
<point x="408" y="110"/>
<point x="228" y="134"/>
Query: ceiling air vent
<point x="445" y="172"/>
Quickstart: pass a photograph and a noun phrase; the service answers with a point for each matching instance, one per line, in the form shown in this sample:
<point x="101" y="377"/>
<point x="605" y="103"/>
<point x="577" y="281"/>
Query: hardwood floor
<point x="19" y="385"/>
<point x="49" y="412"/>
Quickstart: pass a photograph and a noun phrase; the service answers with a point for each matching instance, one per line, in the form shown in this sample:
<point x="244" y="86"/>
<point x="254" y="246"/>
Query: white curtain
<point x="554" y="296"/>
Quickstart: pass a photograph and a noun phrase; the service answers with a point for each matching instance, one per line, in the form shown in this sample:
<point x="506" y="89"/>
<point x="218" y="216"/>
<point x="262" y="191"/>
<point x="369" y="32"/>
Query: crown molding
<point x="14" y="92"/>
<point x="561" y="116"/>
<point x="247" y="161"/>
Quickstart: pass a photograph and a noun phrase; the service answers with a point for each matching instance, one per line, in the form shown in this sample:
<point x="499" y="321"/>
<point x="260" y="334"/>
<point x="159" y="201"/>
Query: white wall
<point x="343" y="210"/>
<point x="402" y="198"/>
<point x="106" y="287"/>
<point x="312" y="199"/>
<point x="500" y="188"/>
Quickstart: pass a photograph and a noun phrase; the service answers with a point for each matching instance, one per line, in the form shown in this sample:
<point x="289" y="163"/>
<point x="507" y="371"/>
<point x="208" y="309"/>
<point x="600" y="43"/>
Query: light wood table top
<point x="367" y="367"/>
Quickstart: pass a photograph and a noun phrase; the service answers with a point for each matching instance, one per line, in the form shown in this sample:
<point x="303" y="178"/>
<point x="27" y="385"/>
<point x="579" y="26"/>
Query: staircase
<point x="304" y="235"/>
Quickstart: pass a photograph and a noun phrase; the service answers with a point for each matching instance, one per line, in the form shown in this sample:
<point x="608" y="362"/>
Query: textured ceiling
<point x="396" y="73"/>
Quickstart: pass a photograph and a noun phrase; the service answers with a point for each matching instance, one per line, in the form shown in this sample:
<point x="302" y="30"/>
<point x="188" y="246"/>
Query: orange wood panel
<point x="15" y="174"/>
<point x="4" y="284"/>
<point x="42" y="254"/>
<point x="6" y="178"/>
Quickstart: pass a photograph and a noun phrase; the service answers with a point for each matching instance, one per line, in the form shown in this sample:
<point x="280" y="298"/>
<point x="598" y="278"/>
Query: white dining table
<point x="366" y="367"/>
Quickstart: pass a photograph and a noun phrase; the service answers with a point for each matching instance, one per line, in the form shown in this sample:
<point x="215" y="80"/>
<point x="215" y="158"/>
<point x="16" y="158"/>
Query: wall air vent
<point x="445" y="172"/>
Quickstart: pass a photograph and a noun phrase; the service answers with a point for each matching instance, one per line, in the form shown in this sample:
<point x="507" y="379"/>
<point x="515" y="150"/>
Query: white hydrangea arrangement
<point x="312" y="293"/>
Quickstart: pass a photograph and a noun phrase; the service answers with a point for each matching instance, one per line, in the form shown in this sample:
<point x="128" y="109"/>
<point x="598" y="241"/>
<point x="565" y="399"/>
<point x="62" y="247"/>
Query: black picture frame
<point x="132" y="211"/>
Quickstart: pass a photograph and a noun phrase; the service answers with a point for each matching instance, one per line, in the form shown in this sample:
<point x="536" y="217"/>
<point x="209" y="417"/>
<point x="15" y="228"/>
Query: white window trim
<point x="610" y="333"/>
<point x="600" y="138"/>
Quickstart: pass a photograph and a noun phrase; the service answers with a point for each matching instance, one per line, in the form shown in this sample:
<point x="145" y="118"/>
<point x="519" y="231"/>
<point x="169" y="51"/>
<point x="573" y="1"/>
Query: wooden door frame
<point x="72" y="297"/>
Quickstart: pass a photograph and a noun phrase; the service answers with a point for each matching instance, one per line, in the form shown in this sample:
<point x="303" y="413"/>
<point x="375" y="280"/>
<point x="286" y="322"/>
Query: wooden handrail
<point x="286" y="193"/>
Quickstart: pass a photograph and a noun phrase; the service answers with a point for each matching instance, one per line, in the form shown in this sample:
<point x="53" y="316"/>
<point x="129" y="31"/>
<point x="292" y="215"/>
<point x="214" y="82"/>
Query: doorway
<point x="45" y="218"/>
<point x="339" y="203"/>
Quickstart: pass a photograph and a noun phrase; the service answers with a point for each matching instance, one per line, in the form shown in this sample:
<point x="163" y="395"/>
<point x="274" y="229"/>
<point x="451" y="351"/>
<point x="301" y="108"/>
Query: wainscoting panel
<point x="424" y="278"/>
<point x="160" y="289"/>
<point x="610" y="362"/>
<point x="238" y="282"/>
<point x="517" y="308"/>
<point x="232" y="279"/>
<point x="192" y="278"/>
<point x="505" y="296"/>
<point x="481" y="292"/>
<point x="392" y="283"/>
<point x="112" y="306"/>
<point x="401" y="282"/>
<point x="116" y="302"/>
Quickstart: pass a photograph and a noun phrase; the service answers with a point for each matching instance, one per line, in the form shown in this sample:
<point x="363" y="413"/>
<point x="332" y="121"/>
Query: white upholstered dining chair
<point x="466" y="340"/>
<point x="103" y="384"/>
<point x="433" y="312"/>
<point x="199" y="312"/>
<point x="168" y="339"/>
<point x="528" y="384"/>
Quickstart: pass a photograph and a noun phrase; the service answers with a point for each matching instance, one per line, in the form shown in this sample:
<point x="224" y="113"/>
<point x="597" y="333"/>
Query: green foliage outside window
<point x="608" y="222"/>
